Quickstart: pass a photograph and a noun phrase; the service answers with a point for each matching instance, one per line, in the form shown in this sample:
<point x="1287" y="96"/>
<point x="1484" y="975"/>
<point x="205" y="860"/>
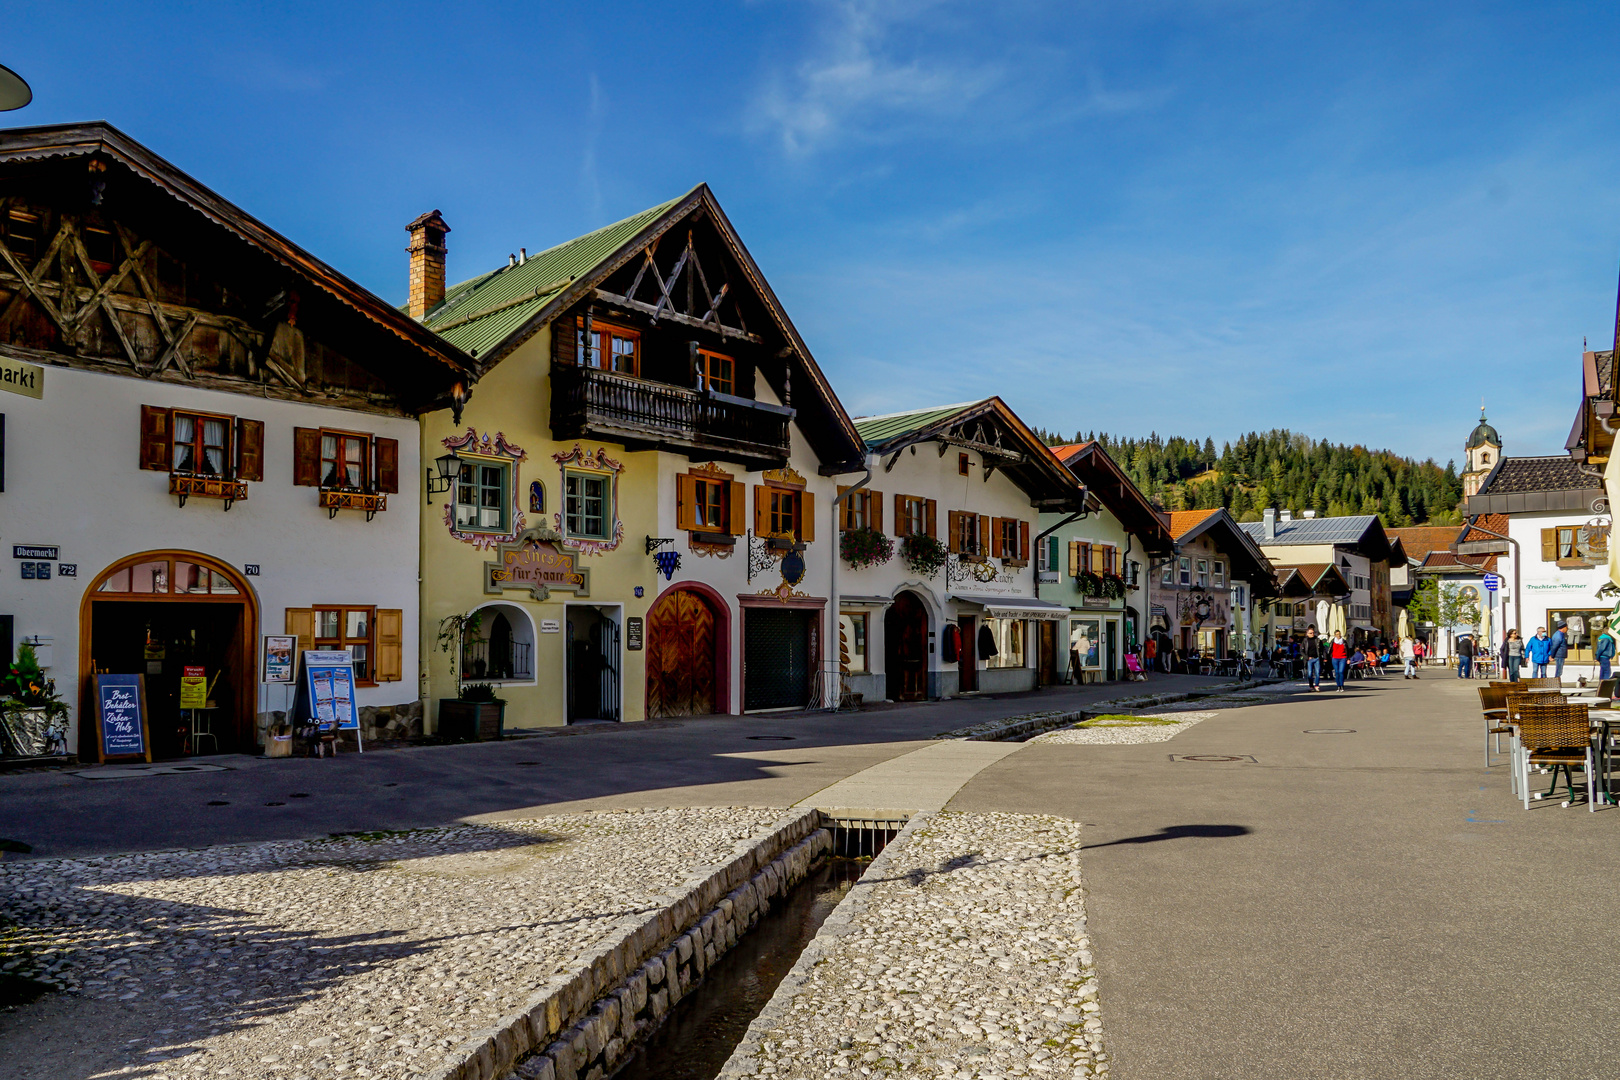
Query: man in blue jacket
<point x="1538" y="649"/>
<point x="1603" y="652"/>
<point x="1559" y="650"/>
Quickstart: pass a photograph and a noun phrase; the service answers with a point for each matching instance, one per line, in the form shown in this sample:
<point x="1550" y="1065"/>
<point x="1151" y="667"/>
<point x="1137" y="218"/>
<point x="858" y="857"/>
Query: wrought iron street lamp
<point x="449" y="466"/>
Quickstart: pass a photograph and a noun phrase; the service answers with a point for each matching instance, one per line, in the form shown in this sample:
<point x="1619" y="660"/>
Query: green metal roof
<point x="480" y="313"/>
<point x="877" y="430"/>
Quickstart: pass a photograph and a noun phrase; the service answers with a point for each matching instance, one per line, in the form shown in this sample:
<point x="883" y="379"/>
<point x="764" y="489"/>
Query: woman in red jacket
<point x="1339" y="652"/>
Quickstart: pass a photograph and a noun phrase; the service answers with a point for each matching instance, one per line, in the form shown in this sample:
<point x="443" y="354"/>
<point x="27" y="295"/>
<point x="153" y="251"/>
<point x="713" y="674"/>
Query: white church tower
<point x="1484" y="450"/>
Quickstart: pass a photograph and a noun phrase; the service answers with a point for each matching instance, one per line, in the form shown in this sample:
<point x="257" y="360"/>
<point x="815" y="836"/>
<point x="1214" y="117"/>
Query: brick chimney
<point x="427" y="262"/>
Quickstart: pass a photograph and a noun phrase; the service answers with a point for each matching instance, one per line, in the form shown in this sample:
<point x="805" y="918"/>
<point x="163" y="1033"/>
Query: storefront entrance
<point x="905" y="648"/>
<point x="156" y="614"/>
<point x="682" y="644"/>
<point x="593" y="663"/>
<point x="779" y="657"/>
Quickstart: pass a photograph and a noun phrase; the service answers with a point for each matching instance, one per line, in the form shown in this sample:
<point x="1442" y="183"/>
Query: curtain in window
<point x="213" y="446"/>
<point x="185" y="438"/>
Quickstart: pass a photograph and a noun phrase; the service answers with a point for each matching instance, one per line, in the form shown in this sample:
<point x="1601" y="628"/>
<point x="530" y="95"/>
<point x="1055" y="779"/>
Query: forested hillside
<point x="1281" y="468"/>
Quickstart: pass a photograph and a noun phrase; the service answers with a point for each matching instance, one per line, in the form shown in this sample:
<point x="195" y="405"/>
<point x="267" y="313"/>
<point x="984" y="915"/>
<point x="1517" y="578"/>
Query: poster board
<point x="280" y="658"/>
<point x="121" y="726"/>
<point x="193" y="687"/>
<point x="326" y="691"/>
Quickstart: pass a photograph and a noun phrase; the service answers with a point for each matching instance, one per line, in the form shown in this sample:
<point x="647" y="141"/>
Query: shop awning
<point x="1014" y="607"/>
<point x="849" y="600"/>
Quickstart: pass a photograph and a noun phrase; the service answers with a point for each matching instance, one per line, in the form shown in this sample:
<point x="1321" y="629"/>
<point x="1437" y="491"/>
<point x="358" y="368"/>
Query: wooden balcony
<point x="603" y="404"/>
<point x="187" y="486"/>
<point x="335" y="499"/>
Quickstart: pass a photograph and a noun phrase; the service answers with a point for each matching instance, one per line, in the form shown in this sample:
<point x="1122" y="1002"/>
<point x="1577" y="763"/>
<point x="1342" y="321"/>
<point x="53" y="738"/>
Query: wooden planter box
<point x="471" y="721"/>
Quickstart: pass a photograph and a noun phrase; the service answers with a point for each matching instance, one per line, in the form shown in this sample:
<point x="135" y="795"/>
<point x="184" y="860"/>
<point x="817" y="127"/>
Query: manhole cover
<point x="525" y="763"/>
<point x="772" y="738"/>
<point x="1330" y="731"/>
<point x="1214" y="757"/>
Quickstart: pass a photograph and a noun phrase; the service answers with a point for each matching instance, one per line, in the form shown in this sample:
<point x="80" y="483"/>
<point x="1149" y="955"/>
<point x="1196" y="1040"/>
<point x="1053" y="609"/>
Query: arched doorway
<point x="905" y="648"/>
<point x="686" y="640"/>
<point x="156" y="613"/>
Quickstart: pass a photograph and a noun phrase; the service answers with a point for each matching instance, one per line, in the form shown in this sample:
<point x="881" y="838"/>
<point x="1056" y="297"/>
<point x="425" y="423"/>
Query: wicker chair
<point x="1559" y="736"/>
<point x="1542" y="684"/>
<point x="1493" y="704"/>
<point x="1516" y="697"/>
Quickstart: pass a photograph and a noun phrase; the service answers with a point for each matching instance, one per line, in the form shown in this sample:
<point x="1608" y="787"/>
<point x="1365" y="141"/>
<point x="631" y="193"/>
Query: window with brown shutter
<point x="300" y="623"/>
<point x="249" y="449"/>
<point x="930" y="507"/>
<point x="709" y="504"/>
<point x="1076" y="558"/>
<point x="387" y="454"/>
<point x="307" y="457"/>
<point x="981" y="534"/>
<point x="356" y="464"/>
<point x="1549" y="545"/>
<point x="157" y="434"/>
<point x="953" y="528"/>
<point x="390" y="645"/>
<point x="783" y="513"/>
<point x="1023" y="542"/>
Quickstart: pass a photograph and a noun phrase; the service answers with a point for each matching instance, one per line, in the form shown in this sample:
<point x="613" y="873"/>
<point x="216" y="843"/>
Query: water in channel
<point x="706" y="1026"/>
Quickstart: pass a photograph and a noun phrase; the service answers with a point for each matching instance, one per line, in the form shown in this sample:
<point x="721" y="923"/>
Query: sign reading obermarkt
<point x="536" y="562"/>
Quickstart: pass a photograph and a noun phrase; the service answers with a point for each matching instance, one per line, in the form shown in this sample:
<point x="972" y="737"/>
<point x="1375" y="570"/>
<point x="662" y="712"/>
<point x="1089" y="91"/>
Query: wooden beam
<point x="675" y="316"/>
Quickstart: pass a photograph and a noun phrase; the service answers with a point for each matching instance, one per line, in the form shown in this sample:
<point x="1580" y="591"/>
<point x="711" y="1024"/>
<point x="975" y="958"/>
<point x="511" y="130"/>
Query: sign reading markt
<point x="536" y="562"/>
<point x="22" y="378"/>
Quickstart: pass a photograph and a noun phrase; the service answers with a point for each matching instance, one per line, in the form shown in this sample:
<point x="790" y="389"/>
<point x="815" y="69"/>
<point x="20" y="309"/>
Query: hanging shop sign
<point x="121" y="733"/>
<point x="535" y="562"/>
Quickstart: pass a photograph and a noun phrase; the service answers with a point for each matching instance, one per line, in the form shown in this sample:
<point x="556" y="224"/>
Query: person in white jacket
<point x="1409" y="656"/>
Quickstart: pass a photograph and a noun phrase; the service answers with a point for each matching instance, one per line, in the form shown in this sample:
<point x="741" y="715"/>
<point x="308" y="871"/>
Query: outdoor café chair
<point x="1493" y="703"/>
<point x="1559" y="736"/>
<point x="1542" y="684"/>
<point x="1517" y="696"/>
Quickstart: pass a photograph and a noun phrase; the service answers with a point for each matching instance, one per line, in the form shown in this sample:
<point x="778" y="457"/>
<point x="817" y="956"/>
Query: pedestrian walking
<point x="1559" y="650"/>
<point x="1339" y="653"/>
<point x="1409" y="657"/>
<point x="1512" y="655"/>
<point x="1465" y="657"/>
<point x="1603" y="649"/>
<point x="1311" y="650"/>
<point x="1539" y="650"/>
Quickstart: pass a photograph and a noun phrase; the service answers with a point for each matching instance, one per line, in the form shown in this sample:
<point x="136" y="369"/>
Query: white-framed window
<point x="1203" y="573"/>
<point x="1009" y="635"/>
<point x="588" y="505"/>
<point x="481" y="499"/>
<point x="1167" y="576"/>
<point x="1218" y="569"/>
<point x="853" y="626"/>
<point x="1185" y="566"/>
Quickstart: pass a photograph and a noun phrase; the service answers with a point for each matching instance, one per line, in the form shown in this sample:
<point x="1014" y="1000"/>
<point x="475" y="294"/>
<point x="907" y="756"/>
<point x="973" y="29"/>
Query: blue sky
<point x="1353" y="220"/>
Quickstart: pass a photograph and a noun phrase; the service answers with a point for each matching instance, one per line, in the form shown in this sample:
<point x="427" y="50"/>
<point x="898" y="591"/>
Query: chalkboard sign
<point x="121" y="717"/>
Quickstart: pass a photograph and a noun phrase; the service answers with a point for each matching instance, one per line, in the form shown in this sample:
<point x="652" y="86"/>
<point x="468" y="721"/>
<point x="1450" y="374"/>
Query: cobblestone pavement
<point x="963" y="954"/>
<point x="1113" y="730"/>
<point x="363" y="956"/>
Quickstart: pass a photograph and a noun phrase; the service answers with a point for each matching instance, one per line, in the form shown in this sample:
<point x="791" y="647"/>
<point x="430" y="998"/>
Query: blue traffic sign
<point x="1492" y="582"/>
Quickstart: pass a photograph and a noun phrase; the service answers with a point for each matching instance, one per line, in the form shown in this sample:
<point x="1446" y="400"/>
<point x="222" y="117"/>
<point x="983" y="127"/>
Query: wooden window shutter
<point x="307" y="457"/>
<point x="807" y="516"/>
<point x="846" y="509"/>
<point x="1549" y="545"/>
<point x="301" y="625"/>
<point x="249" y="449"/>
<point x="984" y="527"/>
<point x="874" y="503"/>
<point x="157" y="438"/>
<point x="954" y="524"/>
<point x="932" y="507"/>
<point x="737" y="520"/>
<point x="686" y="502"/>
<point x="762" y="510"/>
<point x="1074" y="558"/>
<point x="387" y="451"/>
<point x="995" y="537"/>
<point x="900" y="527"/>
<point x="1023" y="541"/>
<point x="390" y="660"/>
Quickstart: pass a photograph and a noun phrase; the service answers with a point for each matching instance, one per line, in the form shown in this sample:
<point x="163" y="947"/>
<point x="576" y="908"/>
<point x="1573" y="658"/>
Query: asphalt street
<point x="1365" y="903"/>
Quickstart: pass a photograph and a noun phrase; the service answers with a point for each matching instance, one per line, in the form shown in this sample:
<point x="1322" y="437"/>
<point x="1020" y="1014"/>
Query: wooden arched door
<point x="905" y="648"/>
<point x="681" y="662"/>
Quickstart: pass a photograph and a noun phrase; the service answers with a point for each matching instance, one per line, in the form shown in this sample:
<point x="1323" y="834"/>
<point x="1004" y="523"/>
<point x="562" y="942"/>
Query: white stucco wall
<point x="1540" y="587"/>
<point x="73" y="480"/>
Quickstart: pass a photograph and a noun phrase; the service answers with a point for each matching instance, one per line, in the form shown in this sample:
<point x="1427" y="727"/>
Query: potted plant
<point x="473" y="715"/>
<point x="865" y="547"/>
<point x="924" y="554"/>
<point x="33" y="716"/>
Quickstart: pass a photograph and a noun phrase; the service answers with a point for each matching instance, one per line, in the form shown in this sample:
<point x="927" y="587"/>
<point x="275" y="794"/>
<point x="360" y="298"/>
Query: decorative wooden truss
<point x="666" y="298"/>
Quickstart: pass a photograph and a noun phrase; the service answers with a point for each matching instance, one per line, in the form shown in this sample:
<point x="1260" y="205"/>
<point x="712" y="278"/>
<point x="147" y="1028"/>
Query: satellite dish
<point x="14" y="91"/>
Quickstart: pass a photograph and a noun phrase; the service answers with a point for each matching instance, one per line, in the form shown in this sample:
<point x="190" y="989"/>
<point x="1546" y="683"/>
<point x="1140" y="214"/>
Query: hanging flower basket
<point x="1109" y="586"/>
<point x="924" y="554"/>
<point x="865" y="547"/>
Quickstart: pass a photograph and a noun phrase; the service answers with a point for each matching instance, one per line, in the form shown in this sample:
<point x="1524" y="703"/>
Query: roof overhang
<point x="1592" y="500"/>
<point x="1108" y="484"/>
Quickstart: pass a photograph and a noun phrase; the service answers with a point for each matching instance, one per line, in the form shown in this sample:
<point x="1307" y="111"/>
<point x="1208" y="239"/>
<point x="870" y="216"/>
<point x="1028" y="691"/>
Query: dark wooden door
<point x="1048" y="652"/>
<point x="680" y="655"/>
<point x="905" y="648"/>
<point x="969" y="677"/>
<point x="777" y="658"/>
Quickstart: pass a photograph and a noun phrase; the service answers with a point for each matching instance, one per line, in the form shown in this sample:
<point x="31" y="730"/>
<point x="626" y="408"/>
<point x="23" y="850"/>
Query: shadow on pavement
<point x="1179" y="832"/>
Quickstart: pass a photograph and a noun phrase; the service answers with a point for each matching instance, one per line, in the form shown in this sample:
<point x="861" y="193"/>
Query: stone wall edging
<point x="626" y="946"/>
<point x="1013" y="727"/>
<point x="840" y="921"/>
